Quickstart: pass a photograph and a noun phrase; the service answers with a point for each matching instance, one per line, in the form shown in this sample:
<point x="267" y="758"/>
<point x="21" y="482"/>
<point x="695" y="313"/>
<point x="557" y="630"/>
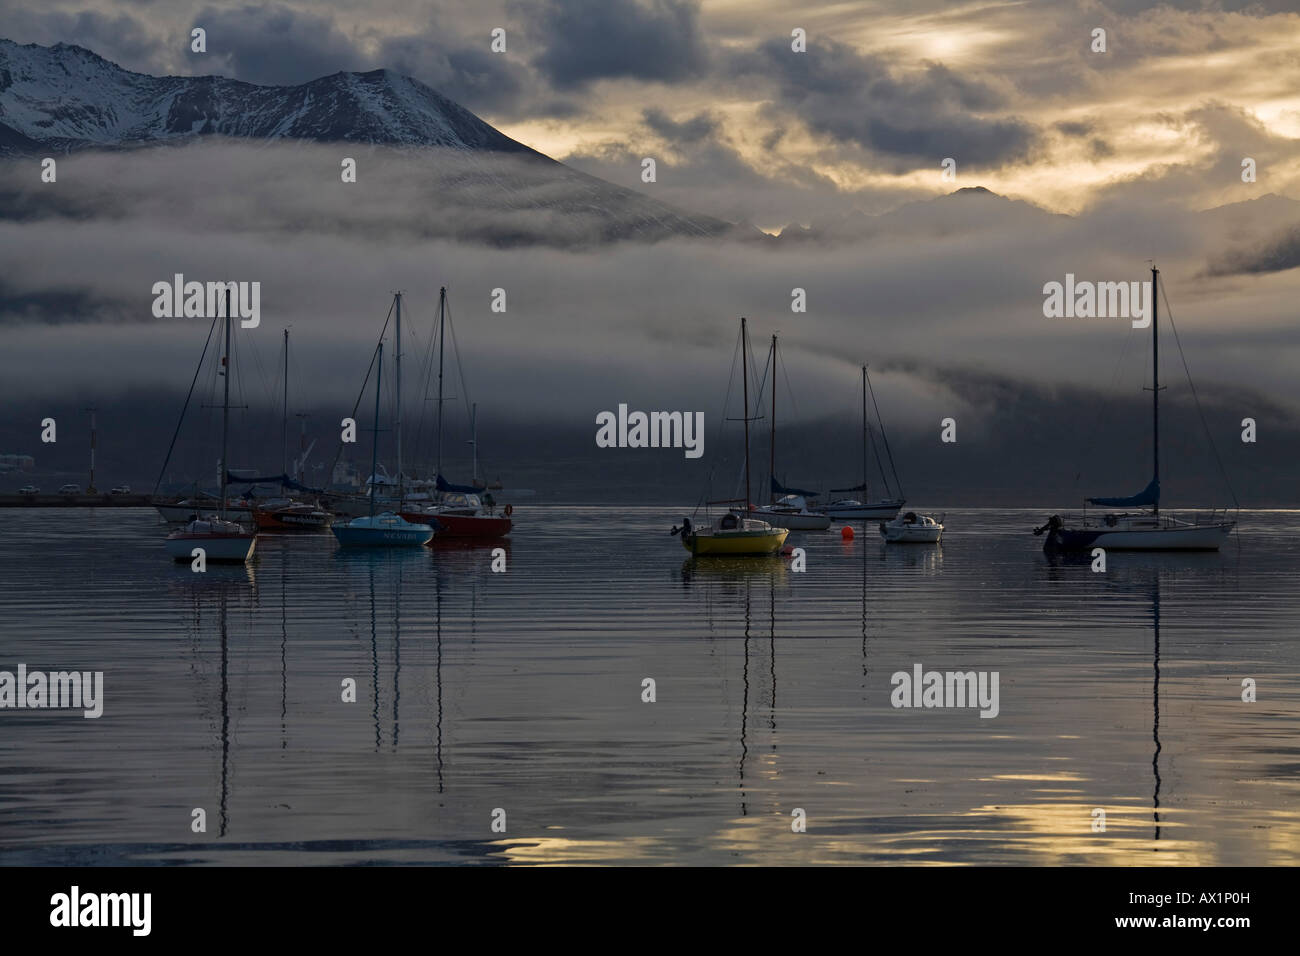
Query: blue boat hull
<point x="381" y="537"/>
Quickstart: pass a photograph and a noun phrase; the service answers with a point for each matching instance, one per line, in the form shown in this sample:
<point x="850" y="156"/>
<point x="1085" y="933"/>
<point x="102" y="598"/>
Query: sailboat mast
<point x="744" y="373"/>
<point x="225" y="407"/>
<point x="284" y="415"/>
<point x="771" y="467"/>
<point x="397" y="424"/>
<point x="473" y="437"/>
<point x="374" y="444"/>
<point x="864" y="433"/>
<point x="1155" y="377"/>
<point x="442" y="329"/>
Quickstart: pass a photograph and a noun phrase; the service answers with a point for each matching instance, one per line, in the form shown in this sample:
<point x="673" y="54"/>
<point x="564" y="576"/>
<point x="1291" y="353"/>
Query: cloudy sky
<point x="1105" y="160"/>
<point x="1012" y="91"/>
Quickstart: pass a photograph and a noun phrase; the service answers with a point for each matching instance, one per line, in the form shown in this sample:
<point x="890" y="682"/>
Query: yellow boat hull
<point x="736" y="542"/>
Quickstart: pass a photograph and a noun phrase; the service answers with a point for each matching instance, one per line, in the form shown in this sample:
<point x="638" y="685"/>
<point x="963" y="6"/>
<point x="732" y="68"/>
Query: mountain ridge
<point x="65" y="97"/>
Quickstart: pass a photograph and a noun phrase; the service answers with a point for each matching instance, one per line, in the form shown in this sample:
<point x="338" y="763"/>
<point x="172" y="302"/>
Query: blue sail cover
<point x="1150" y="495"/>
<point x="780" y="489"/>
<point x="443" y="485"/>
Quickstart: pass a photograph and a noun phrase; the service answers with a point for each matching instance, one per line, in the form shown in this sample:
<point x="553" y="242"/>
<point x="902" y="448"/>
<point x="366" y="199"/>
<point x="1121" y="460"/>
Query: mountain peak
<point x="46" y="103"/>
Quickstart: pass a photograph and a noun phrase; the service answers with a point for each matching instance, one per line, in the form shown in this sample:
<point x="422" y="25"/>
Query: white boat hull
<point x="222" y="548"/>
<point x="1208" y="538"/>
<point x="874" y="511"/>
<point x="895" y="535"/>
<point x="1138" y="533"/>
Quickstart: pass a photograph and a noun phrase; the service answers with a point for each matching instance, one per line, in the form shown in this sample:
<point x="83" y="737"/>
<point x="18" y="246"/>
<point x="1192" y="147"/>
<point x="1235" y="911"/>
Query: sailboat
<point x="386" y="530"/>
<point x="1141" y="530"/>
<point x="735" y="532"/>
<point x="457" y="511"/>
<point x="284" y="513"/>
<point x="851" y="508"/>
<point x="221" y="540"/>
<point x="789" y="506"/>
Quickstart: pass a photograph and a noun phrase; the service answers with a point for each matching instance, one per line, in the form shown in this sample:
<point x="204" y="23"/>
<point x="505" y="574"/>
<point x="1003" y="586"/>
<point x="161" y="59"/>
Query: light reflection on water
<point x="522" y="691"/>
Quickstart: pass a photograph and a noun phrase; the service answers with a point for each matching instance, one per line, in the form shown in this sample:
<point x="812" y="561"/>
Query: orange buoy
<point x="847" y="532"/>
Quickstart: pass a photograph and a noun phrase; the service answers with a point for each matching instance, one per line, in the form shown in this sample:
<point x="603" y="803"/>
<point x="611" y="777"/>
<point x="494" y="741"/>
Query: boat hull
<point x="383" y="531"/>
<point x="219" y="548"/>
<point x="1190" y="538"/>
<point x="736" y="543"/>
<point x="293" y="520"/>
<point x="350" y="537"/>
<point x="464" y="526"/>
<point x="875" y="511"/>
<point x="894" y="535"/>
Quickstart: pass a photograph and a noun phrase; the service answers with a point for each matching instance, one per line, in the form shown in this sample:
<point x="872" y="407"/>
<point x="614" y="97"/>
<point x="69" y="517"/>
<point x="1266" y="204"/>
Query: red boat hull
<point x="463" y="526"/>
<point x="290" y="521"/>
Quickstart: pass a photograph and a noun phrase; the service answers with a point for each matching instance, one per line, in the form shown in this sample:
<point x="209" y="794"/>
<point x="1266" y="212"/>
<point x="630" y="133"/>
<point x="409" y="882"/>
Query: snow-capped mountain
<point x="483" y="185"/>
<point x="65" y="97"/>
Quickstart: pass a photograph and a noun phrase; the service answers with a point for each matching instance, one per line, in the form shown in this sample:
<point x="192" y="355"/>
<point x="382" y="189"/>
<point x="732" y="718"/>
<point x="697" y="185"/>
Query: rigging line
<point x="1169" y="313"/>
<point x="460" y="368"/>
<point x="883" y="437"/>
<point x="758" y="401"/>
<point x="188" y="395"/>
<point x="417" y="350"/>
<point x="722" y="425"/>
<point x="785" y="371"/>
<point x="357" y="404"/>
<point x="875" y="453"/>
<point x="271" y="399"/>
<point x="426" y="379"/>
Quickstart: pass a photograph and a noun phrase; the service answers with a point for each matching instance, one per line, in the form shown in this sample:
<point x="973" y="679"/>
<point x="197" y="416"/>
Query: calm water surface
<point x="523" y="691"/>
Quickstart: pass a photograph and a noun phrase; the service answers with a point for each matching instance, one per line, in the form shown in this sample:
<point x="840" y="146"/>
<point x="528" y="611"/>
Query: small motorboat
<point x="733" y="534"/>
<point x="912" y="528"/>
<point x="385" y="530"/>
<point x="792" y="512"/>
<point x="221" y="541"/>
